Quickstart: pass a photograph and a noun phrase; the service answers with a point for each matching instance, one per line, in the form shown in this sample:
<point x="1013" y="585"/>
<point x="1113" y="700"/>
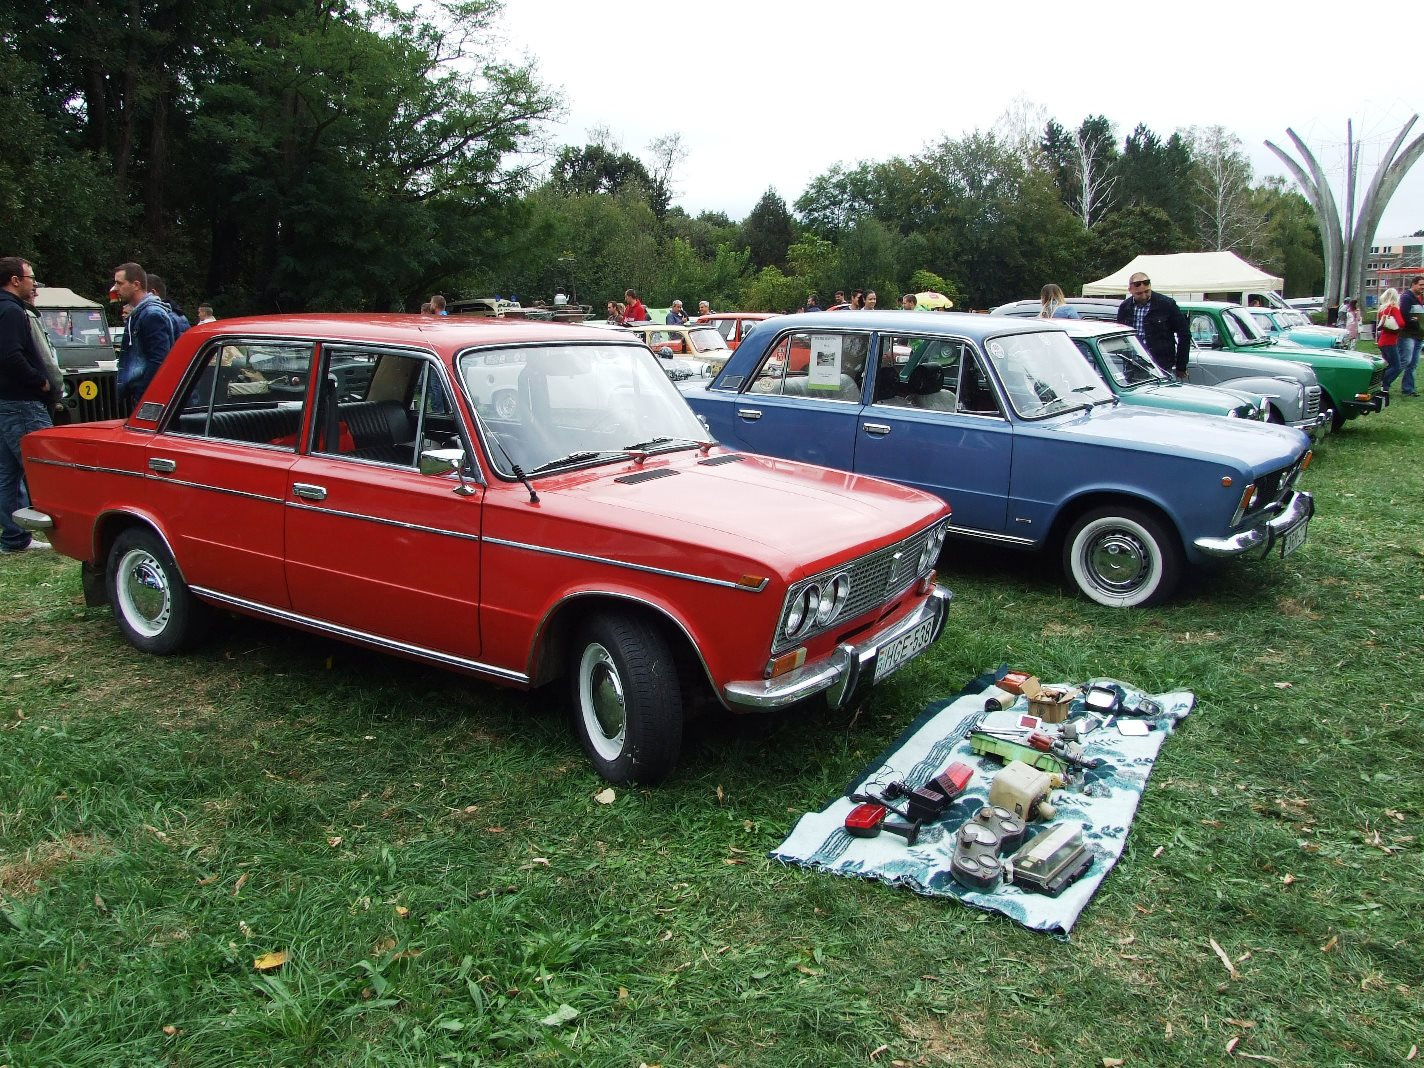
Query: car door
<point x="804" y="400"/>
<point x="220" y="463"/>
<point x="936" y="422"/>
<point x="373" y="545"/>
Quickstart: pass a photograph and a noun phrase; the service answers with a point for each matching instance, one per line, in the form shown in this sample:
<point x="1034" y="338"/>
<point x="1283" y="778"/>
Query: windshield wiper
<point x="571" y="458"/>
<point x="680" y="443"/>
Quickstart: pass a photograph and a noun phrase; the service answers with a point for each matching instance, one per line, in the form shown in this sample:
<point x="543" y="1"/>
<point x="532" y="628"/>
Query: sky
<point x="772" y="94"/>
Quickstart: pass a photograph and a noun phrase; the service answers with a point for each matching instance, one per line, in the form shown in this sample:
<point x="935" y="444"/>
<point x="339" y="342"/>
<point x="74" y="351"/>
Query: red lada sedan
<point x="356" y="476"/>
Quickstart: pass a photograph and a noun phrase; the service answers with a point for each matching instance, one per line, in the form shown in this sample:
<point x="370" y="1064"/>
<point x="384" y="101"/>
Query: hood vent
<point x="729" y="458"/>
<point x="645" y="476"/>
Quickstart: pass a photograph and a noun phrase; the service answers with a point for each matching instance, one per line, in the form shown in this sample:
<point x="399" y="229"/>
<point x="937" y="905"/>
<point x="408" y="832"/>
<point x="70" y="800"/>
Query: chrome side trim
<point x="87" y="467"/>
<point x="988" y="535"/>
<point x="645" y="568"/>
<point x="433" y="655"/>
<point x="382" y="521"/>
<point x="215" y="489"/>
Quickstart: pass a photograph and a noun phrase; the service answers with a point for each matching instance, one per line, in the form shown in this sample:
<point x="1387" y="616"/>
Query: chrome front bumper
<point x="1298" y="509"/>
<point x="1319" y="426"/>
<point x="32" y="519"/>
<point x="839" y="675"/>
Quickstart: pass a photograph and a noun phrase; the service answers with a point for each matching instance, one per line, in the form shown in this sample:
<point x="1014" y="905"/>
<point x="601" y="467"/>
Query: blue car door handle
<point x="751" y="415"/>
<point x="878" y="429"/>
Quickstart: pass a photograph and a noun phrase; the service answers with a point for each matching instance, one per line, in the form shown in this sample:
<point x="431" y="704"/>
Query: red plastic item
<point x="953" y="780"/>
<point x="864" y="821"/>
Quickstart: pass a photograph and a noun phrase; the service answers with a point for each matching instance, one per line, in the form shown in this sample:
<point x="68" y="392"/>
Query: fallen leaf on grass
<point x="170" y="1030"/>
<point x="877" y="1051"/>
<point x="99" y="904"/>
<point x="1413" y="1052"/>
<point x="1331" y="944"/>
<point x="1284" y="685"/>
<point x="1244" y="1025"/>
<point x="241" y="882"/>
<point x="560" y="1016"/>
<point x="1158" y="851"/>
<point x="268" y="961"/>
<point x="1113" y="1062"/>
<point x="606" y="797"/>
<point x="402" y="912"/>
<point x="334" y="841"/>
<point x="1221" y="953"/>
<point x="207" y="880"/>
<point x="806" y="971"/>
<point x="1287" y="879"/>
<point x="1233" y="1043"/>
<point x="1258" y="1057"/>
<point x="246" y="930"/>
<point x="721" y="794"/>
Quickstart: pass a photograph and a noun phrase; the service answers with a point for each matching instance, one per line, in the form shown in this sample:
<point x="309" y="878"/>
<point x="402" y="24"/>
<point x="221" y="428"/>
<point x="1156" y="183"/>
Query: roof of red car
<point x="452" y="331"/>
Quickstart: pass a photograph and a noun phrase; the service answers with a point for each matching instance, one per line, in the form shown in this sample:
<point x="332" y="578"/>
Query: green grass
<point x="429" y="852"/>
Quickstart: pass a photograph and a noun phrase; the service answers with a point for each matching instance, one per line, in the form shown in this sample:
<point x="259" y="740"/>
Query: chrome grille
<point x="1271" y="488"/>
<point x="875" y="579"/>
<point x="1312" y="402"/>
<point x="1377" y="381"/>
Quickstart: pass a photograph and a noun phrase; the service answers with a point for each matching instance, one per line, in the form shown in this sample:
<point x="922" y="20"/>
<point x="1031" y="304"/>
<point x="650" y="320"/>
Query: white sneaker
<point x="35" y="546"/>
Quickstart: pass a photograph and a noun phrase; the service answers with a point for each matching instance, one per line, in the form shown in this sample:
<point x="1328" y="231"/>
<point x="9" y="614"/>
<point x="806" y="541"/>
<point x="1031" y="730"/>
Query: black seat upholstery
<point x="381" y="431"/>
<point x="370" y="430"/>
<point x="266" y="426"/>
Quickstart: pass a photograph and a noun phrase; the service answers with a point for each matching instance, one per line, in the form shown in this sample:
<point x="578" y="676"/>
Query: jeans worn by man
<point x="1408" y="354"/>
<point x="24" y="390"/>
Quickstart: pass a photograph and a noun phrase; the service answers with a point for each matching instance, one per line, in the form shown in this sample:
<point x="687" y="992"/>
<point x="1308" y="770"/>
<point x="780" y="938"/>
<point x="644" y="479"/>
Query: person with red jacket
<point x="633" y="312"/>
<point x="1389" y="321"/>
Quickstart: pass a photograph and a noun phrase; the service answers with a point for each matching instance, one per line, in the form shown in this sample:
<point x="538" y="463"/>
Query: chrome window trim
<point x="365" y="637"/>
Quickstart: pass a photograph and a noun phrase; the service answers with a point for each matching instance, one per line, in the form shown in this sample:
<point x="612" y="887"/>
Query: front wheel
<point x="627" y="702"/>
<point x="152" y="604"/>
<point x="1122" y="557"/>
<point x="1275" y="415"/>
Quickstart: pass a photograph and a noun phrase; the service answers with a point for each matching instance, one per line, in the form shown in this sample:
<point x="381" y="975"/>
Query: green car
<point x="1133" y="376"/>
<point x="1352" y="383"/>
<point x="1293" y="328"/>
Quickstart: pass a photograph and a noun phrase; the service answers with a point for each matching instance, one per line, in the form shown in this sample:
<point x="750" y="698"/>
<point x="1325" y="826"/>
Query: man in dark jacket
<point x="24" y="395"/>
<point x="1160" y="325"/>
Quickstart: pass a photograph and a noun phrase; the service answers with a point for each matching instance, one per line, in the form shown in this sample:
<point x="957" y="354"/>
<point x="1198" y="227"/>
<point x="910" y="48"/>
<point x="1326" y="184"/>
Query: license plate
<point x="903" y="648"/>
<point x="1294" y="539"/>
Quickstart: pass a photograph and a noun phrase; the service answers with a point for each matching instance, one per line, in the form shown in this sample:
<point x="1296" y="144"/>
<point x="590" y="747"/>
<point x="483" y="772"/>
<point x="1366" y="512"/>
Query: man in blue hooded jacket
<point x="148" y="334"/>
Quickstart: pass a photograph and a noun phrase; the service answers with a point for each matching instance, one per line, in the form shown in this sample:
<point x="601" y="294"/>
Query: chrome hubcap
<point x="1119" y="562"/>
<point x="601" y="701"/>
<point x="143" y="593"/>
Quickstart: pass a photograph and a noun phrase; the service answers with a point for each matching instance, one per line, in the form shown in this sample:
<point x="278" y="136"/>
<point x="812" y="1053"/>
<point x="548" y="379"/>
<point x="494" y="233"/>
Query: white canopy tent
<point x="1190" y="275"/>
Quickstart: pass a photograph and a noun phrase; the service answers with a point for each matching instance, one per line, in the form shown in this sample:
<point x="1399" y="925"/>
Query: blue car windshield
<point x="1044" y="374"/>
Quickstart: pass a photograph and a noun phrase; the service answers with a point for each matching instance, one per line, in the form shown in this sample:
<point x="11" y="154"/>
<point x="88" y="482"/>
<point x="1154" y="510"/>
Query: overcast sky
<point x="773" y="93"/>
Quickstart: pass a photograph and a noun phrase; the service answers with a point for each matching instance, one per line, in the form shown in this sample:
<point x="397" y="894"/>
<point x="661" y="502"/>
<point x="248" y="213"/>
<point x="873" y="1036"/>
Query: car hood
<point x="1207" y="398"/>
<point x="781" y="511"/>
<point x="1319" y="357"/>
<point x="1248" y="364"/>
<point x="1259" y="446"/>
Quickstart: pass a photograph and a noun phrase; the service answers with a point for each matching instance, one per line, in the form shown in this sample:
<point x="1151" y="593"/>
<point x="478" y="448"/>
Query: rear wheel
<point x="151" y="602"/>
<point x="627" y="701"/>
<point x="1122" y="557"/>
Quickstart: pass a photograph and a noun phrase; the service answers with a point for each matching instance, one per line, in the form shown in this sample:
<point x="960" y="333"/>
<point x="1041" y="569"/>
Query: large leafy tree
<point x="288" y="154"/>
<point x="768" y="231"/>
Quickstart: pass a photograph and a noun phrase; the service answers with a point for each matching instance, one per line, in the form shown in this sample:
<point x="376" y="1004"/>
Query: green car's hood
<point x="1185" y="397"/>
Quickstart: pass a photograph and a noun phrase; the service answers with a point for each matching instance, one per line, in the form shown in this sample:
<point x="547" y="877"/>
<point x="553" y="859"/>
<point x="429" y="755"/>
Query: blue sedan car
<point x="1005" y="421"/>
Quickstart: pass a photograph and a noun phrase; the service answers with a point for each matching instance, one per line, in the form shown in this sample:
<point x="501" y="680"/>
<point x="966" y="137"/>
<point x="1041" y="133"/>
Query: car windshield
<point x="1241" y="328"/>
<point x="1264" y="322"/>
<point x="550" y="407"/>
<point x="707" y="340"/>
<point x="1044" y="373"/>
<point x="79" y="326"/>
<point x="1293" y="318"/>
<point x="1128" y="362"/>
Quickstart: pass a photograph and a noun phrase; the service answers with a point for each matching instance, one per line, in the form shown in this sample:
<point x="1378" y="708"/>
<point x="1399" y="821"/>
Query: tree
<point x="1128" y="232"/>
<point x="668" y="154"/>
<point x="768" y="231"/>
<point x="1093" y="158"/>
<point x="1222" y="177"/>
<point x="1156" y="173"/>
<point x="598" y="169"/>
<point x="834" y="201"/>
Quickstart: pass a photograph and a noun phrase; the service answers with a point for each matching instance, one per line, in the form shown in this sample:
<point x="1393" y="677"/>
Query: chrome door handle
<point x="878" y="429"/>
<point x="309" y="492"/>
<point x="751" y="415"/>
<point x="162" y="465"/>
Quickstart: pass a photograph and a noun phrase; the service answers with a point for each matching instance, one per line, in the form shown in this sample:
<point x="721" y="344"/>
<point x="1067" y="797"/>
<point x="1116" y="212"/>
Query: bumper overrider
<point x="1319" y="427"/>
<point x="1295" y="511"/>
<point x="849" y="667"/>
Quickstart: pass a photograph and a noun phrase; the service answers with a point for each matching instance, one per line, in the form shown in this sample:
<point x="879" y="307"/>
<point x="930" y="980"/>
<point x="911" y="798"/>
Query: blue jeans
<point x="1408" y="349"/>
<point x="1391" y="364"/>
<point x="17" y="418"/>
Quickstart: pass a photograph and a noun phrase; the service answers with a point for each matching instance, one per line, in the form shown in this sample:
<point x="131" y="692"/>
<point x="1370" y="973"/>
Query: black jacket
<point x="1169" y="339"/>
<point x="22" y="371"/>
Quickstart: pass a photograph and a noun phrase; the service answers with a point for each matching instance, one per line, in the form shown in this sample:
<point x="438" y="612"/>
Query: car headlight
<point x="831" y="599"/>
<point x="933" y="544"/>
<point x="795" y="616"/>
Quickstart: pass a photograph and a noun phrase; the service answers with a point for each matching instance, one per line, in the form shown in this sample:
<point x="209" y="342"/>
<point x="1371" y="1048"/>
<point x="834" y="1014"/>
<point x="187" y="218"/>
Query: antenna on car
<point x="518" y="471"/>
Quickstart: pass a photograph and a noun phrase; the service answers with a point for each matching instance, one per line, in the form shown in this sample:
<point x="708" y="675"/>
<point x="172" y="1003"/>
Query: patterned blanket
<point x="1101" y="802"/>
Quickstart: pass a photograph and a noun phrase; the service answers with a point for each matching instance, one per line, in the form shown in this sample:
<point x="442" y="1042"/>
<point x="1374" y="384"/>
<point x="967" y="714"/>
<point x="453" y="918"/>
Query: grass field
<point x="429" y="853"/>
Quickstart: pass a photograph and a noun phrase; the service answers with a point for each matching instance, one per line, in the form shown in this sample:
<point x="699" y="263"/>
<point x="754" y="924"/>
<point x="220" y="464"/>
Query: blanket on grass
<point x="1102" y="802"/>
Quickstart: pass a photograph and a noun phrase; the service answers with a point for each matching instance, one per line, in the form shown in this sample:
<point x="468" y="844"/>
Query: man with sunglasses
<point x="24" y="393"/>
<point x="1159" y="323"/>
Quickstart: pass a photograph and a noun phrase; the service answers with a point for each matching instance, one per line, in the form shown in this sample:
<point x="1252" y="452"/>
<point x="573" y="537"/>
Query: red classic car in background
<point x="733" y="326"/>
<point x="368" y="477"/>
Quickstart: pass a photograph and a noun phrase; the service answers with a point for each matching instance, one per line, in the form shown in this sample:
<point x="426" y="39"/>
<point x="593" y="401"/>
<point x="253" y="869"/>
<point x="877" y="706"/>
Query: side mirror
<point x="444" y="462"/>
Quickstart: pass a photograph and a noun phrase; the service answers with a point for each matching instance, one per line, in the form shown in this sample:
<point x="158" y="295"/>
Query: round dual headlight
<point x="795" y="616"/>
<point x="933" y="544"/>
<point x="832" y="599"/>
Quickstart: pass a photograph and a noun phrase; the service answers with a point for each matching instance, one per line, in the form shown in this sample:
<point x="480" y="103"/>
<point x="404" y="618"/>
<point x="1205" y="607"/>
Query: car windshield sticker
<point x="996" y="350"/>
<point x="825" y="369"/>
